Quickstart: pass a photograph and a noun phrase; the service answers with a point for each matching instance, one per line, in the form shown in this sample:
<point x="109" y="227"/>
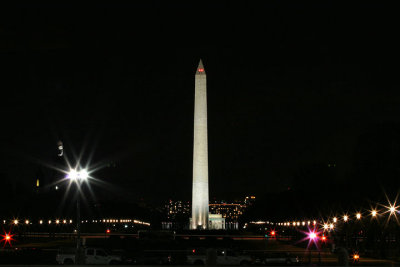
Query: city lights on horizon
<point x="16" y="222"/>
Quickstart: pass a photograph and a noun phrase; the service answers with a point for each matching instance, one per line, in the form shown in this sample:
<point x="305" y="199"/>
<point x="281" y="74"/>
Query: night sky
<point x="300" y="96"/>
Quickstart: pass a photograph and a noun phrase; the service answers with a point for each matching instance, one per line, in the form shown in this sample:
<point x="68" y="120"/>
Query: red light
<point x="194" y="251"/>
<point x="200" y="70"/>
<point x="273" y="233"/>
<point x="324" y="238"/>
<point x="108" y="231"/>
<point x="7" y="238"/>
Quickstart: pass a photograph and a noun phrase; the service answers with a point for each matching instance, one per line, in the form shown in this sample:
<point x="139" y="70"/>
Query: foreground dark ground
<point x="148" y="251"/>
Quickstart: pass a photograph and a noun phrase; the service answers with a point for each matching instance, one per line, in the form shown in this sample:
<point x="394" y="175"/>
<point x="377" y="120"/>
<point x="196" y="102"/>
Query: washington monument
<point x="199" y="218"/>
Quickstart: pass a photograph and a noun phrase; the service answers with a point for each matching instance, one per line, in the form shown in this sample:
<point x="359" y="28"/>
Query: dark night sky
<point x="291" y="87"/>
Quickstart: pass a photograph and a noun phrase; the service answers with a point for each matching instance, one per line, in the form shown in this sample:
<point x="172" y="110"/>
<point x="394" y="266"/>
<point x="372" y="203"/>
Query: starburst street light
<point x="345" y="218"/>
<point x="75" y="175"/>
<point x="374" y="213"/>
<point x="392" y="209"/>
<point x="358" y="216"/>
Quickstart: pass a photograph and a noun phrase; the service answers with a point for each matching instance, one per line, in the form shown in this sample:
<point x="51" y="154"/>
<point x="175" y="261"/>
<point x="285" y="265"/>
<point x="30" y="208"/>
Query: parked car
<point x="223" y="257"/>
<point x="92" y="256"/>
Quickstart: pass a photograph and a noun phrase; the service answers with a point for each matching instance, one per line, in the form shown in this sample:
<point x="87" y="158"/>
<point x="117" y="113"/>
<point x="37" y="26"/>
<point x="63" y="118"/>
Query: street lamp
<point x="78" y="177"/>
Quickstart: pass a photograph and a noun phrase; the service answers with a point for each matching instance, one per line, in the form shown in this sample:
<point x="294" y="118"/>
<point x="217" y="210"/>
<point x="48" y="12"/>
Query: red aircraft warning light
<point x="201" y="70"/>
<point x="108" y="231"/>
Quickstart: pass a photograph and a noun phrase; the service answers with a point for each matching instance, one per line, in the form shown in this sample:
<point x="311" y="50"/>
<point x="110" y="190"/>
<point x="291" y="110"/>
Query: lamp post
<point x="78" y="177"/>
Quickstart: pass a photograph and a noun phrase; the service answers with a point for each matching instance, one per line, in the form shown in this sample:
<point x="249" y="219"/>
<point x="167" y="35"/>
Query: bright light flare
<point x="356" y="257"/>
<point x="312" y="235"/>
<point x="72" y="175"/>
<point x="374" y="213"/>
<point x="358" y="216"/>
<point x="75" y="175"/>
<point x="334" y="219"/>
<point x="392" y="209"/>
<point x="83" y="174"/>
<point x="7" y="238"/>
<point x="345" y="218"/>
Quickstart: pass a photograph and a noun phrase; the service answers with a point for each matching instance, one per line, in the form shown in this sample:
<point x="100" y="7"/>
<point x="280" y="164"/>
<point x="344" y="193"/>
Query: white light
<point x="334" y="219"/>
<point x="27" y="222"/>
<point x="41" y="222"/>
<point x="345" y="218"/>
<point x="331" y="226"/>
<point x="57" y="221"/>
<point x="326" y="226"/>
<point x="392" y="209"/>
<point x="15" y="222"/>
<point x="358" y="216"/>
<point x="83" y="174"/>
<point x="73" y="174"/>
<point x="56" y="187"/>
<point x="373" y="213"/>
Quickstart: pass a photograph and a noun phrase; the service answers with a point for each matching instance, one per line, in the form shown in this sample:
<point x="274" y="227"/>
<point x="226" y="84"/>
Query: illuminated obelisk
<point x="199" y="218"/>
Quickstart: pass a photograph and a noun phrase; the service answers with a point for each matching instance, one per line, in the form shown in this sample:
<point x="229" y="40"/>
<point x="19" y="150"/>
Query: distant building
<point x="223" y="215"/>
<point x="230" y="211"/>
<point x="178" y="208"/>
<point x="216" y="222"/>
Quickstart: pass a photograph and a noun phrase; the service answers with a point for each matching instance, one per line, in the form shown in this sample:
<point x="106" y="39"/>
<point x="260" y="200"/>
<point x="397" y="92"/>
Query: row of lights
<point x="297" y="223"/>
<point x="28" y="222"/>
<point x="392" y="210"/>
